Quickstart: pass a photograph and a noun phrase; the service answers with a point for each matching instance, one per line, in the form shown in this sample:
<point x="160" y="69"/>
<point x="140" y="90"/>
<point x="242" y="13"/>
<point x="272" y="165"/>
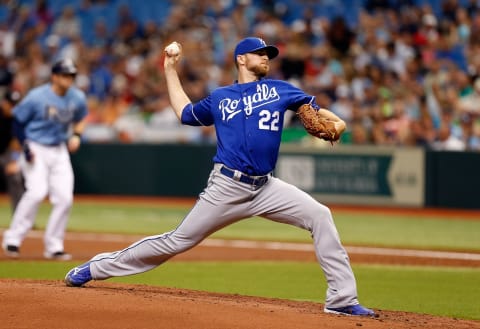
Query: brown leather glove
<point x="316" y="125"/>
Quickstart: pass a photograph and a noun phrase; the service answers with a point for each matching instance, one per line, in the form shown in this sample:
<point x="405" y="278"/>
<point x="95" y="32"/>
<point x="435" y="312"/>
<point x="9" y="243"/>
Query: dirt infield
<point x="50" y="304"/>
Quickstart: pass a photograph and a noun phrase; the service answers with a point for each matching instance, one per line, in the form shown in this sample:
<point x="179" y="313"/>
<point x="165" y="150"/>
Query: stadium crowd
<point x="397" y="72"/>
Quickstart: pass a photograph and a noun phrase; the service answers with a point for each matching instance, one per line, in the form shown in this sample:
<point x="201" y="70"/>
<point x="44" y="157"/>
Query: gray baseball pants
<point x="226" y="201"/>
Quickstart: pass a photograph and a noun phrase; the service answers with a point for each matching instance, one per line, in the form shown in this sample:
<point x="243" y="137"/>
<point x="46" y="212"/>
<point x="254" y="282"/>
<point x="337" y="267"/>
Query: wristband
<point x="77" y="134"/>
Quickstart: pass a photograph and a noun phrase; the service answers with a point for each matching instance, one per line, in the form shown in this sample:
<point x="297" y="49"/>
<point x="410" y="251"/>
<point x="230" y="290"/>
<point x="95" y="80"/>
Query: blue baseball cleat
<point x="78" y="276"/>
<point x="353" y="310"/>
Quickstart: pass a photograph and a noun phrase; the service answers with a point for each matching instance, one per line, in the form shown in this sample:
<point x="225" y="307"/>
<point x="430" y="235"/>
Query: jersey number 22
<point x="269" y="121"/>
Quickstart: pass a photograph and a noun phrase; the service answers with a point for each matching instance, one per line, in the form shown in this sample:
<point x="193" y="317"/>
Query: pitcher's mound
<point x="50" y="304"/>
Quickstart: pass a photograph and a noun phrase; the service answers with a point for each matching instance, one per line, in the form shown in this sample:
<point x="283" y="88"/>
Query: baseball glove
<point x="316" y="125"/>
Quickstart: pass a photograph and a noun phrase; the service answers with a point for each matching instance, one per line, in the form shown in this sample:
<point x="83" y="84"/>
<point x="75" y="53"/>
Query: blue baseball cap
<point x="250" y="45"/>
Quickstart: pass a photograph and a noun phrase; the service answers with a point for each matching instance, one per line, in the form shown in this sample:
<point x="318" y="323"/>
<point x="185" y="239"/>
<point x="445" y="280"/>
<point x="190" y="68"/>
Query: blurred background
<point x="402" y="74"/>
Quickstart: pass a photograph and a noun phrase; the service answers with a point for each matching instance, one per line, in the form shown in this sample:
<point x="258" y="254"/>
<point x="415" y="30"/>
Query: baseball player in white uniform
<point x="48" y="122"/>
<point x="248" y="117"/>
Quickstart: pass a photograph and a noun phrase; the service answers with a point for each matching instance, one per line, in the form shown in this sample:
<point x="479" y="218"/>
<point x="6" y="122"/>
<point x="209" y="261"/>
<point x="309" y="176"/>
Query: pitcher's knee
<point x="319" y="212"/>
<point x="318" y="218"/>
<point x="325" y="211"/>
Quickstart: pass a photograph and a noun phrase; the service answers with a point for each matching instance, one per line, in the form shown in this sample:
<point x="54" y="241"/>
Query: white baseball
<point x="172" y="49"/>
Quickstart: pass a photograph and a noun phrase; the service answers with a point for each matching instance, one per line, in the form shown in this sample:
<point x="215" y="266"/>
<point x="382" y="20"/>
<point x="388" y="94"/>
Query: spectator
<point x="68" y="25"/>
<point x="296" y="53"/>
<point x="340" y="37"/>
<point x="427" y="34"/>
<point x="43" y="12"/>
<point x="411" y="51"/>
<point x="342" y="106"/>
<point x="463" y="24"/>
<point x="469" y="104"/>
<point x="6" y="74"/>
<point x="446" y="141"/>
<point x="397" y="126"/>
<point x="8" y="40"/>
<point x="422" y="130"/>
<point x="359" y="134"/>
<point x="100" y="78"/>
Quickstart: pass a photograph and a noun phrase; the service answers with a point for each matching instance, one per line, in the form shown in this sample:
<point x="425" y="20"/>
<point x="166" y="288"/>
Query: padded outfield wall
<point x="357" y="175"/>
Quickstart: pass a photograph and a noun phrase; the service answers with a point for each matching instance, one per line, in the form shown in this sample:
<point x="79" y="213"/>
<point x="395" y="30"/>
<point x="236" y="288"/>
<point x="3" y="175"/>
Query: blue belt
<point x="238" y="176"/>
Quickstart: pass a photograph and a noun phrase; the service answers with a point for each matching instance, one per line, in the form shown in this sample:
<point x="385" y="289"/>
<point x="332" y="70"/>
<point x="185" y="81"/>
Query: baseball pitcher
<point x="248" y="117"/>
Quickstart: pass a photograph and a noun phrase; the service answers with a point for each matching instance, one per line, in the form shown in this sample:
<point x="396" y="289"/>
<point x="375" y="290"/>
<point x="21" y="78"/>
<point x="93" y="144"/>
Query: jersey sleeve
<point x="198" y="114"/>
<point x="298" y="97"/>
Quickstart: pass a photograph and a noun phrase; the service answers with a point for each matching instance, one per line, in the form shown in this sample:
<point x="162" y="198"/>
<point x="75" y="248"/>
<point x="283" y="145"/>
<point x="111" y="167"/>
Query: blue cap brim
<point x="252" y="44"/>
<point x="272" y="51"/>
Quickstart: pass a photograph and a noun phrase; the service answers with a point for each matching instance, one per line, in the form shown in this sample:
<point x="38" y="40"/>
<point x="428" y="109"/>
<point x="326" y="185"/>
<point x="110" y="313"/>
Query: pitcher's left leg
<point x="285" y="203"/>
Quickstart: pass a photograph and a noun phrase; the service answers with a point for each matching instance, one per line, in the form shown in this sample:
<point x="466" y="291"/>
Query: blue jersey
<point x="248" y="121"/>
<point x="47" y="116"/>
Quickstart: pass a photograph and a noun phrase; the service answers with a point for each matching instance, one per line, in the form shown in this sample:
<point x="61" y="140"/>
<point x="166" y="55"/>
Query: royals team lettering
<point x="263" y="95"/>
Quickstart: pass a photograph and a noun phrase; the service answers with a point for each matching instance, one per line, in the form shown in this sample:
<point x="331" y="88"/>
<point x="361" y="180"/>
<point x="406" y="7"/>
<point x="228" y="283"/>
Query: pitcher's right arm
<point x="176" y="93"/>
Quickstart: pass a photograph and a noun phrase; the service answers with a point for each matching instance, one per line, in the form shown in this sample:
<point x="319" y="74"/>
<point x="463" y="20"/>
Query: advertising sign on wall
<point x="393" y="176"/>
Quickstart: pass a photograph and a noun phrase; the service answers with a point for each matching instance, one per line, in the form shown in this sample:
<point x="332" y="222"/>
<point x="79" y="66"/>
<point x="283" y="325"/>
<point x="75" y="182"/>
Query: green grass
<point x="405" y="231"/>
<point x="452" y="292"/>
<point x="444" y="291"/>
